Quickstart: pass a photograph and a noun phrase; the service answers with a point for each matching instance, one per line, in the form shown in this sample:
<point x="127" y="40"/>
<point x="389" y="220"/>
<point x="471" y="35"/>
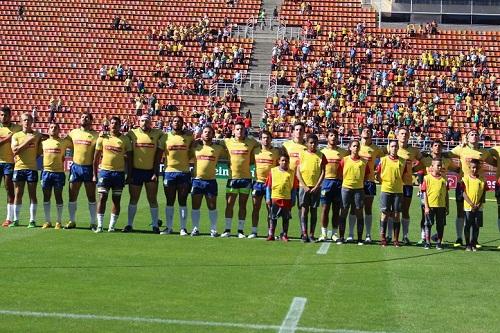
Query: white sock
<point x="324" y="231"/>
<point x="92" y="211"/>
<point x="241" y="224"/>
<point x="169" y="216"/>
<point x="113" y="220"/>
<point x="406" y="226"/>
<point x="17" y="211"/>
<point x="390" y="225"/>
<point x="132" y="210"/>
<point x="100" y="219"/>
<point x="195" y="215"/>
<point x="254" y="230"/>
<point x="9" y="212"/>
<point x="368" y="224"/>
<point x="183" y="216"/>
<point x="32" y="212"/>
<point x="352" y="222"/>
<point x="59" y="209"/>
<point x="229" y="222"/>
<point x="72" y="210"/>
<point x="459" y="225"/>
<point x="154" y="216"/>
<point x="212" y="214"/>
<point x="46" y="210"/>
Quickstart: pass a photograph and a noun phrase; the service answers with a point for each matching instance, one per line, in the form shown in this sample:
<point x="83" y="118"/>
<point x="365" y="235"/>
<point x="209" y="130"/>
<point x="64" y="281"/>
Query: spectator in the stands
<point x="112" y="72"/>
<point x="102" y="72"/>
<point x="127" y="85"/>
<point x="21" y="11"/>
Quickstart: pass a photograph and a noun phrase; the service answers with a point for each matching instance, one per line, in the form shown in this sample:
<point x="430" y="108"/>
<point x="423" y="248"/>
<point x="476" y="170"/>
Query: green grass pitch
<point x="248" y="282"/>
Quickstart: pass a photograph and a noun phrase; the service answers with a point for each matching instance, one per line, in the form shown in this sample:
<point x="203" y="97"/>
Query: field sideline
<point x="78" y="281"/>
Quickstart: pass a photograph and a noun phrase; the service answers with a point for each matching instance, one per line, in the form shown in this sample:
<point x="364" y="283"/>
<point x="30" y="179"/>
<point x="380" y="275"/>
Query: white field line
<point x="323" y="249"/>
<point x="292" y="318"/>
<point x="256" y="327"/>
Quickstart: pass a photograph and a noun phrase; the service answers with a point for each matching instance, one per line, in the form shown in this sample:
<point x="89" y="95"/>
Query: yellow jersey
<point x="241" y="154"/>
<point x="294" y="149"/>
<point x="370" y="153"/>
<point x="144" y="145"/>
<point x="411" y="155"/>
<point x="467" y="153"/>
<point x="391" y="173"/>
<point x="177" y="151"/>
<point x="435" y="189"/>
<point x="114" y="150"/>
<point x="265" y="159"/>
<point x="333" y="158"/>
<point x="54" y="151"/>
<point x="281" y="183"/>
<point x="310" y="166"/>
<point x="445" y="162"/>
<point x="206" y="160"/>
<point x="495" y="152"/>
<point x="6" y="154"/>
<point x="475" y="188"/>
<point x="354" y="172"/>
<point x="26" y="159"/>
<point x="83" y="145"/>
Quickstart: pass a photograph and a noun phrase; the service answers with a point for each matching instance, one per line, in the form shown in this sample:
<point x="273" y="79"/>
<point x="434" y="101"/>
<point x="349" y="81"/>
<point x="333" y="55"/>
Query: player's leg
<point x="368" y="217"/>
<point x="152" y="196"/>
<point x="90" y="189"/>
<point x="285" y="215"/>
<point x="440" y="223"/>
<point x="476" y="227"/>
<point x="359" y="201"/>
<point x="101" y="206"/>
<point x="242" y="212"/>
<point x="183" y="187"/>
<point x="325" y="210"/>
<point x="134" y="191"/>
<point x="405" y="212"/>
<point x="19" y="185"/>
<point x="196" y="200"/>
<point x="459" y="221"/>
<point x="74" y="189"/>
<point x="467" y="231"/>
<point x="313" y="209"/>
<point x="351" y="223"/>
<point x="58" y="195"/>
<point x="256" y="204"/>
<point x="47" y="193"/>
<point x="273" y="221"/>
<point x="386" y="204"/>
<point x="116" y="196"/>
<point x="231" y="196"/>
<point x="170" y="190"/>
<point x="9" y="189"/>
<point x="211" y="199"/>
<point x="344" y="210"/>
<point x="33" y="200"/>
<point x="429" y="221"/>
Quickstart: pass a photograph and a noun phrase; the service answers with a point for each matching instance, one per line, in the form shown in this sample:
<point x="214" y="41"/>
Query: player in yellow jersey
<point x="112" y="158"/>
<point x="495" y="153"/>
<point x="81" y="170"/>
<point x="7" y="130"/>
<point x="266" y="157"/>
<point x="281" y="185"/>
<point x="310" y="173"/>
<point x="355" y="172"/>
<point x="436" y="202"/>
<point x="412" y="156"/>
<point x="206" y="156"/>
<point x="26" y="146"/>
<point x="467" y="151"/>
<point x="370" y="153"/>
<point x="295" y="146"/>
<point x="241" y="154"/>
<point x="53" y="177"/>
<point x="331" y="186"/>
<point x="147" y="150"/>
<point x="390" y="172"/>
<point x="177" y="178"/>
<point x="474" y="191"/>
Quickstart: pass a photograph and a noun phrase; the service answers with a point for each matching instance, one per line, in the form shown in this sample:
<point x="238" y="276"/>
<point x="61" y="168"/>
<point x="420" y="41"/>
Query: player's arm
<point x="367" y="172"/>
<point x="128" y="159"/>
<point x="269" y="184"/>
<point x="378" y="171"/>
<point x="423" y="189"/>
<point x="491" y="160"/>
<point x="6" y="139"/>
<point x="447" y="201"/>
<point x="97" y="157"/>
<point x="466" y="197"/>
<point x="324" y="162"/>
<point x="17" y="147"/>
<point x="483" y="197"/>
<point x="298" y="174"/>
<point x="294" y="190"/>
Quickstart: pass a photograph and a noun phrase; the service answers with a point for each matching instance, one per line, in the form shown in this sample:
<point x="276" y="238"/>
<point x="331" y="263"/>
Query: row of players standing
<point x="105" y="160"/>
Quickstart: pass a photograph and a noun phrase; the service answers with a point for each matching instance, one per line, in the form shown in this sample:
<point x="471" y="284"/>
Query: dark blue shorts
<point x="111" y="179"/>
<point x="30" y="176"/>
<point x="459" y="192"/>
<point x="6" y="169"/>
<point x="53" y="179"/>
<point x="330" y="191"/>
<point x="371" y="188"/>
<point x="238" y="185"/>
<point x="205" y="187"/>
<point x="140" y="176"/>
<point x="407" y="191"/>
<point x="80" y="173"/>
<point x="258" y="189"/>
<point x="176" y="178"/>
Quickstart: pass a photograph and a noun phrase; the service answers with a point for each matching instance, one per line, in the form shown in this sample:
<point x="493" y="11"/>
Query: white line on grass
<point x="292" y="318"/>
<point x="323" y="249"/>
<point x="176" y="321"/>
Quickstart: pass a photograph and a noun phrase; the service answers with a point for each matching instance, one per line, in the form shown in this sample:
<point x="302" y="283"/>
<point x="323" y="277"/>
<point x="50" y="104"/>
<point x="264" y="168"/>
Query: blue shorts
<point x="330" y="191"/>
<point x="371" y="188"/>
<point x="259" y="189"/>
<point x="140" y="176"/>
<point x="6" y="169"/>
<point x="30" y="176"/>
<point x="80" y="173"/>
<point x="111" y="179"/>
<point x="204" y="187"/>
<point x="459" y="191"/>
<point x="176" y="178"/>
<point x="407" y="191"/>
<point x="239" y="185"/>
<point x="53" y="179"/>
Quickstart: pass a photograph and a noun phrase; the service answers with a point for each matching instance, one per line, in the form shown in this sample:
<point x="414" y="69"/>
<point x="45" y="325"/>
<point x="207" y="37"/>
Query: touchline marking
<point x="178" y="322"/>
<point x="323" y="249"/>
<point x="292" y="318"/>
